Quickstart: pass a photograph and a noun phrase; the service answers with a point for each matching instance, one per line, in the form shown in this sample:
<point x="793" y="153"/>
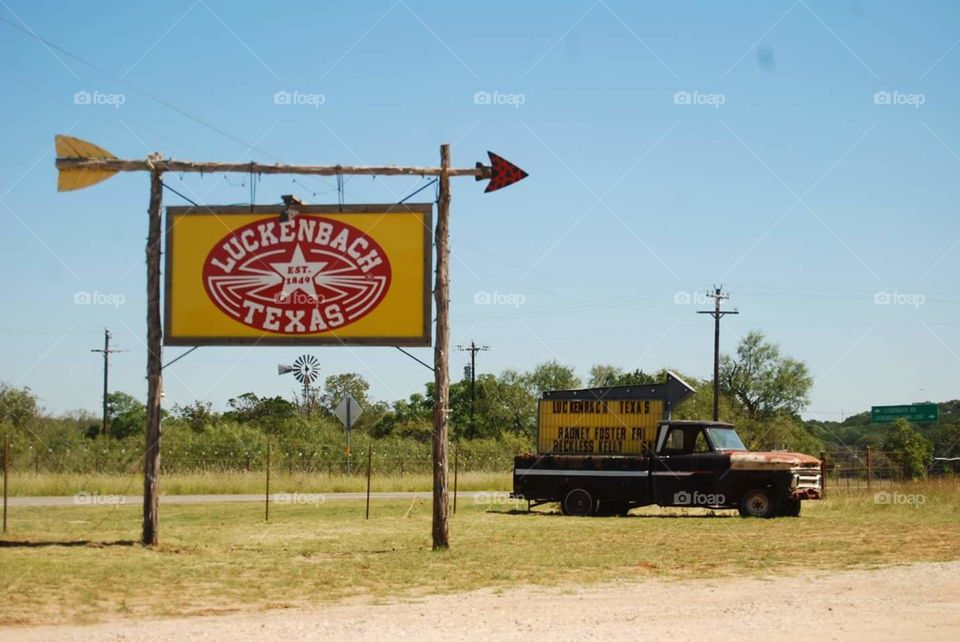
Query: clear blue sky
<point x="782" y="177"/>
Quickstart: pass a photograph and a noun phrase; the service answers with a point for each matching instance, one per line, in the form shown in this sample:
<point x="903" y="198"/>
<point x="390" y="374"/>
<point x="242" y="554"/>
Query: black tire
<point x="791" y="508"/>
<point x="758" y="502"/>
<point x="609" y="508"/>
<point x="579" y="503"/>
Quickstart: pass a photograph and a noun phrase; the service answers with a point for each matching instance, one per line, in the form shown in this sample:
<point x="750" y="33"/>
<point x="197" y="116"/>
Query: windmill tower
<point x="306" y="370"/>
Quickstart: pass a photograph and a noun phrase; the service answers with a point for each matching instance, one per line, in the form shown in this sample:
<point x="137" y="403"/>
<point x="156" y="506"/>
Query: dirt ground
<point x="916" y="602"/>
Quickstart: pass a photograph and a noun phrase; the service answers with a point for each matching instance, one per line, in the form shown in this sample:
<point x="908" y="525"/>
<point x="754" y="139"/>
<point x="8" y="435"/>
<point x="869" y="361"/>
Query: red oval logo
<point x="304" y="276"/>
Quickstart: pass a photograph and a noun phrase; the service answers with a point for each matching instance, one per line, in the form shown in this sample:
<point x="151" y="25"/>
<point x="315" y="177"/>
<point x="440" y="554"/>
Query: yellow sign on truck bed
<point x="615" y="420"/>
<point x="602" y="427"/>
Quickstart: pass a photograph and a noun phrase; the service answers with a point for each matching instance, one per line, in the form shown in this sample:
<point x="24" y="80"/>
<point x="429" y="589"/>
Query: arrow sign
<point x="348" y="411"/>
<point x="83" y="164"/>
<point x="502" y="173"/>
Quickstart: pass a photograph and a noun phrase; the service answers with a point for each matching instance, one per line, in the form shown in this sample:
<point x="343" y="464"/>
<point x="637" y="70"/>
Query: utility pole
<point x="473" y="349"/>
<point x="107" y="351"/>
<point x="441" y="374"/>
<point x="717" y="295"/>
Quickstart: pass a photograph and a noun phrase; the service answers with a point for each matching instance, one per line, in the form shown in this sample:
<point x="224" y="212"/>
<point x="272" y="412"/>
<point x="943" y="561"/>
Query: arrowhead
<point x="503" y="173"/>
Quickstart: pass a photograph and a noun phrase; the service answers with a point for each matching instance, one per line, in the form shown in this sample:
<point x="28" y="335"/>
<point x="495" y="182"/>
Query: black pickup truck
<point x="693" y="464"/>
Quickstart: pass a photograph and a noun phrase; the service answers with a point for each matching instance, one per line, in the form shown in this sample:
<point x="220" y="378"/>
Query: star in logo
<point x="299" y="274"/>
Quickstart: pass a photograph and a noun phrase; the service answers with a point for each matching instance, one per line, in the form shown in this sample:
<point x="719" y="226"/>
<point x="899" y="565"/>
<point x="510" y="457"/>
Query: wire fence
<point x="868" y="468"/>
<point x="282" y="457"/>
<point x="844" y="469"/>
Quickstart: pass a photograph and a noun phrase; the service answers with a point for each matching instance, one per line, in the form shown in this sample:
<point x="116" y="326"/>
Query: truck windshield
<point x="725" y="439"/>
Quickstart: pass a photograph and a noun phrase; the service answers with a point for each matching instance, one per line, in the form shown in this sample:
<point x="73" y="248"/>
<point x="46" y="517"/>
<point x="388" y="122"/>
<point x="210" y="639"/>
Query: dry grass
<point x="223" y="557"/>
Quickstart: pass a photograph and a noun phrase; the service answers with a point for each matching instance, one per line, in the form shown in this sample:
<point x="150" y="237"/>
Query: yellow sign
<point x="326" y="275"/>
<point x="602" y="427"/>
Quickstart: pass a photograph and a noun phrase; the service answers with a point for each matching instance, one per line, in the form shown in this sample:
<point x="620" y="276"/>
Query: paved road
<point x="280" y="498"/>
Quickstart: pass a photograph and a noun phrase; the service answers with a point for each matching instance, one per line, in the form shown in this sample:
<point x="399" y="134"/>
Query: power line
<point x="146" y="94"/>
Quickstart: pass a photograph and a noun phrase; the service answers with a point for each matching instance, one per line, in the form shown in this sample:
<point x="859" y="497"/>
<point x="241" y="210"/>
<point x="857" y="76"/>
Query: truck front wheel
<point x="758" y="502"/>
<point x="791" y="508"/>
<point x="578" y="502"/>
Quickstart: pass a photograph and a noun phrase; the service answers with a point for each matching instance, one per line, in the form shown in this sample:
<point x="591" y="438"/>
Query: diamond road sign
<point x="348" y="411"/>
<point x="920" y="412"/>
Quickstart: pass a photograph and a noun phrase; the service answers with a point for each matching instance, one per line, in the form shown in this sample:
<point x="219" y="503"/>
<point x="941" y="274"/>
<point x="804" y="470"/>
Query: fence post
<point x="369" y="459"/>
<point x="456" y="473"/>
<point x="266" y="498"/>
<point x="869" y="468"/>
<point x="6" y="477"/>
<point x="823" y="474"/>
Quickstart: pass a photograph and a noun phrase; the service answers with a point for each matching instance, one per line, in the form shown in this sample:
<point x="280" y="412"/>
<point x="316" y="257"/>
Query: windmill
<point x="306" y="369"/>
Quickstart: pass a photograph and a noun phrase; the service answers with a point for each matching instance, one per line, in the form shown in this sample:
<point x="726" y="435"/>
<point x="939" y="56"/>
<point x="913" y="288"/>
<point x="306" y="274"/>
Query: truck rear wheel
<point x="578" y="502"/>
<point x="758" y="502"/>
<point x="609" y="508"/>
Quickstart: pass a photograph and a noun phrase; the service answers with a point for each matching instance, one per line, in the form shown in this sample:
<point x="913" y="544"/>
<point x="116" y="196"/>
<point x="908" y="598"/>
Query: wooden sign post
<point x="82" y="164"/>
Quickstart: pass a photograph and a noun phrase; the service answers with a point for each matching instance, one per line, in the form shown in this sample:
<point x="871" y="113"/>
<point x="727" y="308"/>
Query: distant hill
<point x="858" y="431"/>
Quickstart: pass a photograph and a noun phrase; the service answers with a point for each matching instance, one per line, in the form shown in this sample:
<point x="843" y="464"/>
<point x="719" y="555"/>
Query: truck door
<point x="685" y="469"/>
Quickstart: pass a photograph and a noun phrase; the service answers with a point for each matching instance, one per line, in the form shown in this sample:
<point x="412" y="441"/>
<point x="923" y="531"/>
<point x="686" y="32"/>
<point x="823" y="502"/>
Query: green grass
<point x="30" y="485"/>
<point x="223" y="557"/>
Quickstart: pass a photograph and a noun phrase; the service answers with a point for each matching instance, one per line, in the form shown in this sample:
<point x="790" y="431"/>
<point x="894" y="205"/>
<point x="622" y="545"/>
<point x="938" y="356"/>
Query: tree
<point x="909" y="448"/>
<point x="126" y="415"/>
<point x="198" y="415"/>
<point x="336" y="387"/>
<point x="551" y="375"/>
<point x="268" y="413"/>
<point x="18" y="407"/>
<point x="506" y="403"/>
<point x="763" y="381"/>
<point x="603" y="374"/>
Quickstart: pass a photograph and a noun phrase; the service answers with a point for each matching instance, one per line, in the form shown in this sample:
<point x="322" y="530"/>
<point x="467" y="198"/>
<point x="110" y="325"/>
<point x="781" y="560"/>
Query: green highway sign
<point x="918" y="412"/>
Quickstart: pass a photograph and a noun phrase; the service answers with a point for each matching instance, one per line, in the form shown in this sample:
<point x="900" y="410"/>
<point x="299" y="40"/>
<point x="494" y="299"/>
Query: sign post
<point x="151" y="456"/>
<point x="82" y="164"/>
<point x="348" y="411"/>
